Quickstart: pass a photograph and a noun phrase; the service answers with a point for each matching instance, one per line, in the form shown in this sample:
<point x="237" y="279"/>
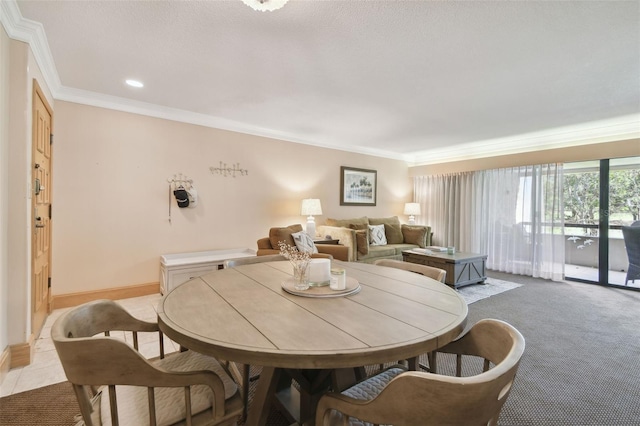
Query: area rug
<point x="53" y="405"/>
<point x="491" y="287"/>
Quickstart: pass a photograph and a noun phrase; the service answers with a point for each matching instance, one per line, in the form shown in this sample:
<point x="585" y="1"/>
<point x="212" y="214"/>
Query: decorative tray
<point x="353" y="286"/>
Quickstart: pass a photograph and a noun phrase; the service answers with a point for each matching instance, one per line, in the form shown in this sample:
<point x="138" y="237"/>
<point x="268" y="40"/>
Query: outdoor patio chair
<point x="115" y="384"/>
<point x="404" y="398"/>
<point x="631" y="236"/>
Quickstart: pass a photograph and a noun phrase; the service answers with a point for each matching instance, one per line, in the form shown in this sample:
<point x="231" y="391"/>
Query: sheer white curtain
<point x="448" y="204"/>
<point x="513" y="215"/>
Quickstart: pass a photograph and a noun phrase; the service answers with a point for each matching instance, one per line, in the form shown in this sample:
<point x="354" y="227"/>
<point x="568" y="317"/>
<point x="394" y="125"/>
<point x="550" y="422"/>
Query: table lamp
<point x="413" y="210"/>
<point x="311" y="206"/>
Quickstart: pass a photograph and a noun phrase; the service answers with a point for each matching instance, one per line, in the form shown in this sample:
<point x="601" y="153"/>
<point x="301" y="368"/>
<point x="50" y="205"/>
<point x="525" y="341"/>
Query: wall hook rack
<point x="180" y="181"/>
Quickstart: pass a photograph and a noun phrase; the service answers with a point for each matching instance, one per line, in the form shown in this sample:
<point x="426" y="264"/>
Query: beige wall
<point x="4" y="196"/>
<point x="626" y="148"/>
<point x="17" y="93"/>
<point x="111" y="192"/>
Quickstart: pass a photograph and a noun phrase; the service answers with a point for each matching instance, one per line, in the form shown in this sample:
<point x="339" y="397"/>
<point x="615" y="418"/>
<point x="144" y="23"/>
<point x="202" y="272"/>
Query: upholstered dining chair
<point x="631" y="235"/>
<point x="114" y="384"/>
<point x="404" y="398"/>
<point x="428" y="271"/>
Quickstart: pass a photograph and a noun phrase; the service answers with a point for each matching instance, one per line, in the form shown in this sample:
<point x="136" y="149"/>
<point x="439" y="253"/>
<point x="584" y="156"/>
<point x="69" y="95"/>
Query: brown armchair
<point x="269" y="245"/>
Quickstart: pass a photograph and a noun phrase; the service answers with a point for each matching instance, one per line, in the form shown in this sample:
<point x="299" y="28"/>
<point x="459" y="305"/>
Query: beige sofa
<point x="354" y="234"/>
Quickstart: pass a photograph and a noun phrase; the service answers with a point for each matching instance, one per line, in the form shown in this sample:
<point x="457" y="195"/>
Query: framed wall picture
<point x="358" y="186"/>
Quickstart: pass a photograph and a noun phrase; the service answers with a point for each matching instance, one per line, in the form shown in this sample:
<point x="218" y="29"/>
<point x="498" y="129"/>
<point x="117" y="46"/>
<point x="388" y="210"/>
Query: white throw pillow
<point x="304" y="242"/>
<point x="377" y="235"/>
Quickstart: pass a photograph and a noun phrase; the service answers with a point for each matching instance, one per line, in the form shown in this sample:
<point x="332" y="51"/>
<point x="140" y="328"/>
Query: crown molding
<point x="31" y="32"/>
<point x="142" y="108"/>
<point x="615" y="129"/>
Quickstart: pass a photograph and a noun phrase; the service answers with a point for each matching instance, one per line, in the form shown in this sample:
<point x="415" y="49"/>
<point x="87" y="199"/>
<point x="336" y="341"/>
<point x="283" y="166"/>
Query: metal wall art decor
<point x="358" y="186"/>
<point x="225" y="170"/>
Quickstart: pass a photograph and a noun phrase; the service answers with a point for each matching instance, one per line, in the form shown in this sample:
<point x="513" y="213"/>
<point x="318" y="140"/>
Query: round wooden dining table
<point x="244" y="315"/>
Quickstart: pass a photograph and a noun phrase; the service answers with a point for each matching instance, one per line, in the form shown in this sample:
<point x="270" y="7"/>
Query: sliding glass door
<point x="599" y="198"/>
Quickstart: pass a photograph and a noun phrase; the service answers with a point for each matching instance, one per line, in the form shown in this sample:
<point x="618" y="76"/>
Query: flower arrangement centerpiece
<point x="300" y="262"/>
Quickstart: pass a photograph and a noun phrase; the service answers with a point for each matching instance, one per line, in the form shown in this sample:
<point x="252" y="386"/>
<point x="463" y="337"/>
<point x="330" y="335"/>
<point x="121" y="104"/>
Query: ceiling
<point x="422" y="81"/>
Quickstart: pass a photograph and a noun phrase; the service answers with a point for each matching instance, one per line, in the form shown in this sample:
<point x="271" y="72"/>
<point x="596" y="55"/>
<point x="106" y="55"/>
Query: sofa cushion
<point x="377" y="235"/>
<point x="399" y="248"/>
<point x="347" y="237"/>
<point x="304" y="242"/>
<point x="362" y="241"/>
<point x="346" y="223"/>
<point x="415" y="235"/>
<point x="376" y="252"/>
<point x="392" y="228"/>
<point x="283" y="234"/>
<point x="362" y="237"/>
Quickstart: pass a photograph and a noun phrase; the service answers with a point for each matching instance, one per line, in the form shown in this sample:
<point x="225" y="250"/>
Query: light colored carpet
<point x="492" y="286"/>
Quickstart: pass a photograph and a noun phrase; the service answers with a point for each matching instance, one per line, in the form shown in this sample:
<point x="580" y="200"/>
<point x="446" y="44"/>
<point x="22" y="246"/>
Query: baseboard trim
<point x="75" y="299"/>
<point x="5" y="363"/>
<point x="22" y="353"/>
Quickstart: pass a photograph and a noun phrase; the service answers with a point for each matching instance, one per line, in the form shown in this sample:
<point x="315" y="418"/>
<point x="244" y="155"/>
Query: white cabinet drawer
<point x="178" y="277"/>
<point x="178" y="268"/>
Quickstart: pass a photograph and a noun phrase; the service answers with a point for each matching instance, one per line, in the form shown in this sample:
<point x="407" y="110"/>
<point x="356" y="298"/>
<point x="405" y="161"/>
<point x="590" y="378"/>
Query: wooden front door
<point x="41" y="214"/>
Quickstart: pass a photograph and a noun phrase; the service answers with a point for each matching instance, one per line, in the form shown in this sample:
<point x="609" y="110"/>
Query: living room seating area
<point x="370" y="239"/>
<point x="361" y="239"/>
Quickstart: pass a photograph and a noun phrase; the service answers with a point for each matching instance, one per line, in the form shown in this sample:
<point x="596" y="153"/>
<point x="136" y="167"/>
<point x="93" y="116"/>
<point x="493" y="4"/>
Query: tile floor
<point x="46" y="368"/>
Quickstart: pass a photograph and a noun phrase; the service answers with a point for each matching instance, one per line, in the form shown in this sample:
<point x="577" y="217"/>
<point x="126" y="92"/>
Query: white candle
<point x="319" y="271"/>
<point x="338" y="279"/>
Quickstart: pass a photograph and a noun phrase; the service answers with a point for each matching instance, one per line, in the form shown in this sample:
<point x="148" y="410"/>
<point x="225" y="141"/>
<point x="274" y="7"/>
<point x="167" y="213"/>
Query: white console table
<point x="180" y="267"/>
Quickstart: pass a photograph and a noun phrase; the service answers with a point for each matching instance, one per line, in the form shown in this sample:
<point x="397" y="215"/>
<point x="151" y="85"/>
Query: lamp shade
<point x="310" y="207"/>
<point x="412" y="209"/>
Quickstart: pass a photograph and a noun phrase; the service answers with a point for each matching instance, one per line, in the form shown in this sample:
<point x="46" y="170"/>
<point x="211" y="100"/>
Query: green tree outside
<point x="581" y="196"/>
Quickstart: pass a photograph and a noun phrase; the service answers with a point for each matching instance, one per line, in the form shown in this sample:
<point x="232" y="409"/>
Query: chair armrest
<point x="346" y="236"/>
<point x="339" y="252"/>
<point x="267" y="252"/>
<point x="264" y="243"/>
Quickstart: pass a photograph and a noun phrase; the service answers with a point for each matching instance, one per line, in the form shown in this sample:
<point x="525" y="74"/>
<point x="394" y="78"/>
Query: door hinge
<point x="50" y="138"/>
<point x="50" y="209"/>
<point x="49" y="282"/>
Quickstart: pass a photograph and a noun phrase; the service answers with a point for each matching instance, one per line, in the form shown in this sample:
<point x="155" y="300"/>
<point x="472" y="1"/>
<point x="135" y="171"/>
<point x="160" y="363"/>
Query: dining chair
<point x="631" y="235"/>
<point x="428" y="271"/>
<point x="412" y="398"/>
<point x="115" y="384"/>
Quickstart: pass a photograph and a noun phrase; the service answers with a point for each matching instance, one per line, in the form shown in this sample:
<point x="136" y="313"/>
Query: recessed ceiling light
<point x="134" y="83"/>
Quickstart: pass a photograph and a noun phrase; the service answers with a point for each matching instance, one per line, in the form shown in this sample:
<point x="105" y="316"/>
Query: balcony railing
<point x="581" y="253"/>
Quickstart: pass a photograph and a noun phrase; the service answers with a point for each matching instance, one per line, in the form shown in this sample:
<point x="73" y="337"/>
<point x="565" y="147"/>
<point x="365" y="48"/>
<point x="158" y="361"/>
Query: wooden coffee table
<point x="462" y="268"/>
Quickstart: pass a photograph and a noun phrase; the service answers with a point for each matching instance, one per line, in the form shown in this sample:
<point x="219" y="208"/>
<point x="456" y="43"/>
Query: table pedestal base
<point x="298" y="405"/>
